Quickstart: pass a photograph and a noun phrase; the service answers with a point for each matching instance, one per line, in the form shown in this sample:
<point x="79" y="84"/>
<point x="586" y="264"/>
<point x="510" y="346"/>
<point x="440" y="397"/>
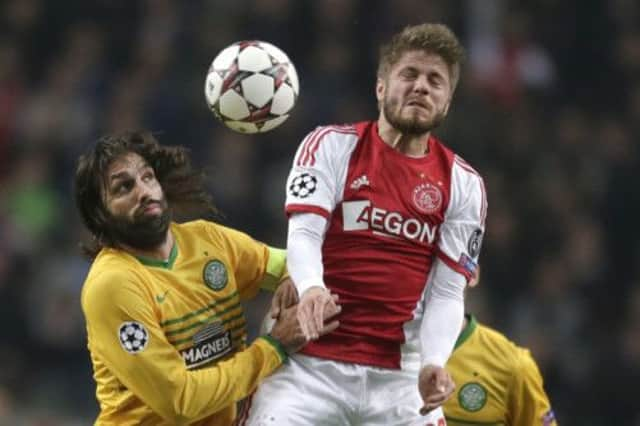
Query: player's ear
<point x="380" y="86"/>
<point x="447" y="105"/>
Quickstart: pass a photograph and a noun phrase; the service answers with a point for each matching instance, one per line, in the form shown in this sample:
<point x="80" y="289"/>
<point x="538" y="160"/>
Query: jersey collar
<point x="468" y="330"/>
<point x="166" y="264"/>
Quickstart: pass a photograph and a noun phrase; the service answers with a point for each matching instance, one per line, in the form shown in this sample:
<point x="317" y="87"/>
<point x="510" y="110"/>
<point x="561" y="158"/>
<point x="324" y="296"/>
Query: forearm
<point x="183" y="396"/>
<point x="304" y="250"/>
<point x="443" y="314"/>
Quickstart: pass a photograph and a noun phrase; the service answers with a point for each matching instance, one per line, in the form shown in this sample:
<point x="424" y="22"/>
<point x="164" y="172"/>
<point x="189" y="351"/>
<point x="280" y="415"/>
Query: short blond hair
<point x="431" y="38"/>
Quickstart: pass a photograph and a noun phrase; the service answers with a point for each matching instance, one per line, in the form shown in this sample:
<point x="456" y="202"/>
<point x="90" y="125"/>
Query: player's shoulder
<point x="323" y="131"/>
<point x="501" y="345"/>
<point x="193" y="226"/>
<point x="454" y="160"/>
<point x="517" y="356"/>
<point x="327" y="140"/>
<point x="113" y="272"/>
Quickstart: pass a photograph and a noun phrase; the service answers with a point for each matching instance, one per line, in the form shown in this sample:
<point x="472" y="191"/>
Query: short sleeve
<point x="529" y="403"/>
<point x="317" y="176"/>
<point x="463" y="228"/>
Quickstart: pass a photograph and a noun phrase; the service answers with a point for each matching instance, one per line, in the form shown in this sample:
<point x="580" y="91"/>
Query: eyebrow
<point x="124" y="174"/>
<point x="116" y="177"/>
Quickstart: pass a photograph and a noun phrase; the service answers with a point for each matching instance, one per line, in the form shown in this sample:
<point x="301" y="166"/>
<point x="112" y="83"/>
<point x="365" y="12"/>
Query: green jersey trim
<point x="468" y="330"/>
<point x="166" y="264"/>
<point x="277" y="345"/>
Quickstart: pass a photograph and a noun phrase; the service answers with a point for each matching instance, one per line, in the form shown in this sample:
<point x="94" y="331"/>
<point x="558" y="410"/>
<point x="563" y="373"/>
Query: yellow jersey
<point x="168" y="339"/>
<point x="497" y="382"/>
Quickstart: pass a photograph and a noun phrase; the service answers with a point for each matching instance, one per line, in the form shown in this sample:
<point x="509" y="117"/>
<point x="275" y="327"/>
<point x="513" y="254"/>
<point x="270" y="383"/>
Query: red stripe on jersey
<point x="483" y="210"/>
<point x="307" y="157"/>
<point x="460" y="162"/>
<point x="305" y="208"/>
<point x="456" y="266"/>
<point x="305" y="145"/>
<point x="345" y="130"/>
<point x="465" y="166"/>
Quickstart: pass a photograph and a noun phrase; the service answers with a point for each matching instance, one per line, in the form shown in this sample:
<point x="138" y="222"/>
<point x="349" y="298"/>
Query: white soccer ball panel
<point x="233" y="106"/>
<point x="273" y="123"/>
<point x="283" y="100"/>
<point x="225" y="58"/>
<point x="253" y="59"/>
<point x="212" y="88"/>
<point x="258" y="89"/>
<point x="242" y="126"/>
<point x="293" y="75"/>
<point x="278" y="54"/>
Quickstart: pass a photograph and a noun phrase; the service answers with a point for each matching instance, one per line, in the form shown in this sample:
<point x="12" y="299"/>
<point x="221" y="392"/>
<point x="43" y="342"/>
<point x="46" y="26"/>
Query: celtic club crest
<point x="472" y="396"/>
<point x="215" y="275"/>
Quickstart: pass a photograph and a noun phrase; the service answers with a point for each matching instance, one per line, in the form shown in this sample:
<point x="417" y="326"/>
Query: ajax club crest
<point x="427" y="198"/>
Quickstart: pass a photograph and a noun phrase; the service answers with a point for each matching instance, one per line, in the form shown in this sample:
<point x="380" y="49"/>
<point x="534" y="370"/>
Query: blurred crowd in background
<point x="548" y="111"/>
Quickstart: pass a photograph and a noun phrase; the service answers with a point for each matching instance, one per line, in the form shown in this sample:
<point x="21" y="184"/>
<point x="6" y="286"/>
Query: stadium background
<point x="547" y="111"/>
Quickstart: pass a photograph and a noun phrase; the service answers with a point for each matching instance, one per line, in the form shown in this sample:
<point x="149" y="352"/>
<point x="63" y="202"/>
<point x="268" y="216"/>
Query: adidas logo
<point x="360" y="182"/>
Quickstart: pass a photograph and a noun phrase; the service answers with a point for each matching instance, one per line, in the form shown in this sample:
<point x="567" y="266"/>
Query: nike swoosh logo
<point x="160" y="299"/>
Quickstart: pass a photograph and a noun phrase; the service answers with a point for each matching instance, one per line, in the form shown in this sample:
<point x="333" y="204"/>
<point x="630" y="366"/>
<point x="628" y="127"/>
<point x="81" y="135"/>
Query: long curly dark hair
<point x="183" y="186"/>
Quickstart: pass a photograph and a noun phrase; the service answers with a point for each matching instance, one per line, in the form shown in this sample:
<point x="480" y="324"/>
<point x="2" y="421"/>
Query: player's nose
<point x="421" y="84"/>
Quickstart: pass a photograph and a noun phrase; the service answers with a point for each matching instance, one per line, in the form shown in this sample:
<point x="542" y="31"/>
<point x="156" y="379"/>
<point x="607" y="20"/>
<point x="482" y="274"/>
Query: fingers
<point x="433" y="402"/>
<point x="318" y="318"/>
<point x="274" y="312"/>
<point x="436" y="386"/>
<point x="315" y="307"/>
<point x="304" y="318"/>
<point x="328" y="328"/>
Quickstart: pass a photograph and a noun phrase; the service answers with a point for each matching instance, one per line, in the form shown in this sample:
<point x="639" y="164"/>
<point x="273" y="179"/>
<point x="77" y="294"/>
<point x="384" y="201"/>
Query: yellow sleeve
<point x="255" y="264"/>
<point x="529" y="403"/>
<point x="276" y="269"/>
<point x="124" y="333"/>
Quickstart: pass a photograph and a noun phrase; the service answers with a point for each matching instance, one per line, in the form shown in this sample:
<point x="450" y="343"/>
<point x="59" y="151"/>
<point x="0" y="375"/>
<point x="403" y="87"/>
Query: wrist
<point x="277" y="344"/>
<point x="307" y="284"/>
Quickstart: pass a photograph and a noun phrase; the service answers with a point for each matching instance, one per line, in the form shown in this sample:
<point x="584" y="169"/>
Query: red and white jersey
<point x="389" y="216"/>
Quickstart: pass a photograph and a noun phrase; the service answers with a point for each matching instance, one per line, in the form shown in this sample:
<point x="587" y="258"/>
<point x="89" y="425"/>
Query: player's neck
<point x="409" y="145"/>
<point x="161" y="252"/>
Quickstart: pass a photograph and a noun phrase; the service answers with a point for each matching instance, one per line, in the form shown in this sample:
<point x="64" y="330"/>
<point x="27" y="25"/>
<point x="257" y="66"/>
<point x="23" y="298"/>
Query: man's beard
<point x="143" y="232"/>
<point x="412" y="125"/>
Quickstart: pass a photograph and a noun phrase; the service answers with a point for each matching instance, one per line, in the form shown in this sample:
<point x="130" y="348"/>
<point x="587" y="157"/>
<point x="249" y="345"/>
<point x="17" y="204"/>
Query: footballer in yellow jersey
<point x="497" y="382"/>
<point x="147" y="320"/>
<point x="166" y="330"/>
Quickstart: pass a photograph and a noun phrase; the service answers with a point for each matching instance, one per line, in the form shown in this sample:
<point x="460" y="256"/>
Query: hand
<point x="316" y="305"/>
<point x="285" y="296"/>
<point x="436" y="386"/>
<point x="288" y="332"/>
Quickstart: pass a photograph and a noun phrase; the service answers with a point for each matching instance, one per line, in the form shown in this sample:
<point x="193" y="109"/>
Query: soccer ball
<point x="251" y="86"/>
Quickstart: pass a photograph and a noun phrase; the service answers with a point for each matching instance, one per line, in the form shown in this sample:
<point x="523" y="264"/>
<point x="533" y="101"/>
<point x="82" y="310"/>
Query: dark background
<point x="547" y="111"/>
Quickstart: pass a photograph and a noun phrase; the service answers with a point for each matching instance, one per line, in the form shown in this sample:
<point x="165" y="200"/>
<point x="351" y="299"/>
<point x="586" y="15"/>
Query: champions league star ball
<point x="251" y="86"/>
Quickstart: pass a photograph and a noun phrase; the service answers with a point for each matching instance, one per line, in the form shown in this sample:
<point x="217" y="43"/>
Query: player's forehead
<point x="128" y="163"/>
<point x="420" y="60"/>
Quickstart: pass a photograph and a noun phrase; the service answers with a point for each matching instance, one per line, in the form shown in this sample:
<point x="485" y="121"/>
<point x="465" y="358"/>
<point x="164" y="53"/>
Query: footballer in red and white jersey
<point x="389" y="216"/>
